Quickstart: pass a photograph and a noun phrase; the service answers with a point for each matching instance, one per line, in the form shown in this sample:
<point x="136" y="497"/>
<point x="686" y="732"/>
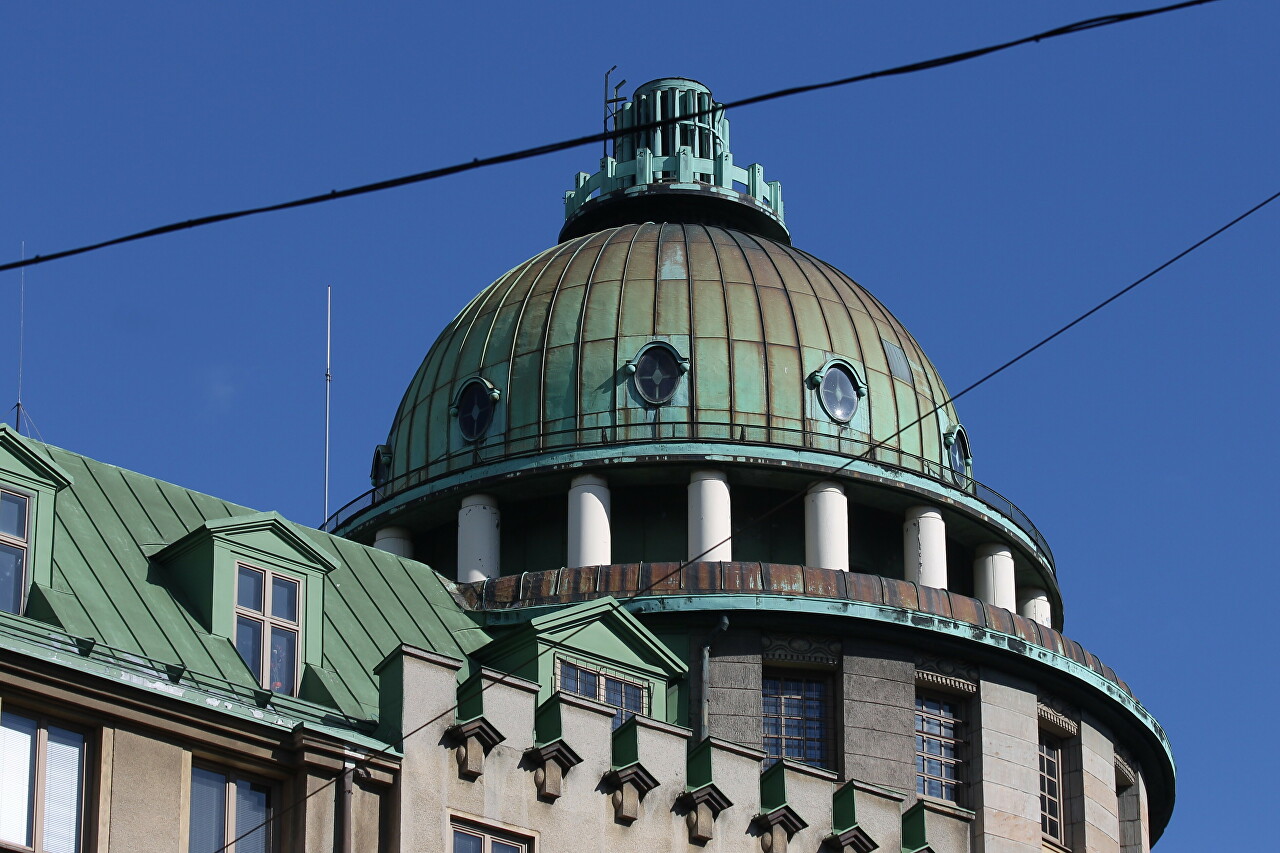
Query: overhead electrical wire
<point x="604" y="136"/>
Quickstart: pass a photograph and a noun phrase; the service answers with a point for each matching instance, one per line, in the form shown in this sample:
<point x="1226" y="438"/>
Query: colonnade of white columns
<point x="710" y="530"/>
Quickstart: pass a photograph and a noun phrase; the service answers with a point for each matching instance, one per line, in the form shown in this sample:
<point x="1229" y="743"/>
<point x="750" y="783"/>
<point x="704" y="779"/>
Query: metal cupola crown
<point x="674" y="167"/>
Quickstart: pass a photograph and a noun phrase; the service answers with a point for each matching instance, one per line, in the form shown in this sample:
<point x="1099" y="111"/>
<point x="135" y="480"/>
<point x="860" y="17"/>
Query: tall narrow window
<point x="628" y="697"/>
<point x="938" y="745"/>
<point x="14" y="539"/>
<point x="797" y="718"/>
<point x="1051" y="787"/>
<point x="230" y="814"/>
<point x="267" y="627"/>
<point x="42" y="782"/>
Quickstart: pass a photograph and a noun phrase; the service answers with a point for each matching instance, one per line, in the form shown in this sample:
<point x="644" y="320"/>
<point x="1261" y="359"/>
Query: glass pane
<point x="249" y="589"/>
<point x="465" y="842"/>
<point x="253" y="812"/>
<point x="587" y="684"/>
<point x="249" y="644"/>
<point x="63" y="775"/>
<point x="284" y="598"/>
<point x="504" y="847"/>
<point x="17" y="777"/>
<point x="284" y="656"/>
<point x="12" y="562"/>
<point x="208" y="811"/>
<point x="13" y="515"/>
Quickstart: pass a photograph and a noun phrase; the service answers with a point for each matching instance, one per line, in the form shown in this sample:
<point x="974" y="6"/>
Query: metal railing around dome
<point x="516" y="444"/>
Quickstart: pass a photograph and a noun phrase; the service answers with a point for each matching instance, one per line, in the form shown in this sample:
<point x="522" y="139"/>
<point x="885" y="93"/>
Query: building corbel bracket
<point x="473" y="738"/>
<point x="629" y="785"/>
<point x="551" y="762"/>
<point x="852" y="840"/>
<point x="776" y="828"/>
<point x="702" y="806"/>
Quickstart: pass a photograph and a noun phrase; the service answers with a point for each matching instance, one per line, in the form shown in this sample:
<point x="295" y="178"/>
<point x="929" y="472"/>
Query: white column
<point x="993" y="576"/>
<point x="590" y="539"/>
<point x="924" y="544"/>
<point x="394" y="540"/>
<point x="710" y="524"/>
<point x="479" y="525"/>
<point x="826" y="526"/>
<point x="1034" y="604"/>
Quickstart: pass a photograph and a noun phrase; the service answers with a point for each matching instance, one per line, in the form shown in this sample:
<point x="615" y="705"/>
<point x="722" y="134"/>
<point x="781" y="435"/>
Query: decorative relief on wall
<point x="956" y="676"/>
<point x="1058" y="715"/>
<point x="798" y="649"/>
<point x="1126" y="768"/>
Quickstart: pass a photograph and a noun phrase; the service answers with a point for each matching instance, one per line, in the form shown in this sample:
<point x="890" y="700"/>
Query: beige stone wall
<point x="150" y="788"/>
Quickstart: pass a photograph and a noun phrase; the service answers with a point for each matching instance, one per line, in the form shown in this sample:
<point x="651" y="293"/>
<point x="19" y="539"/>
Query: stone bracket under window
<point x="628" y="786"/>
<point x="701" y="807"/>
<point x="852" y="840"/>
<point x="473" y="739"/>
<point x="552" y="762"/>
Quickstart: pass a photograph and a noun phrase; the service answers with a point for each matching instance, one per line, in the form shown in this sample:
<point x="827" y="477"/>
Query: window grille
<point x="797" y="718"/>
<point x="938" y="747"/>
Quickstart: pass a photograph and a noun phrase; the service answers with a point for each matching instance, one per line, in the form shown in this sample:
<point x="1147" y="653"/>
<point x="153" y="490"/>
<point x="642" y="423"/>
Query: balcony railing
<point x="517" y="446"/>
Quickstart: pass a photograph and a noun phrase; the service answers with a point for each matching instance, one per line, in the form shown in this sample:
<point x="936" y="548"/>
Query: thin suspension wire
<point x="756" y="520"/>
<point x="605" y="136"/>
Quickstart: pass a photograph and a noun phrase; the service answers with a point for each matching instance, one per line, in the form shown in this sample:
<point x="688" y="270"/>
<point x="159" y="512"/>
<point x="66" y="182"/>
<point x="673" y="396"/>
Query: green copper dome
<point x="551" y="356"/>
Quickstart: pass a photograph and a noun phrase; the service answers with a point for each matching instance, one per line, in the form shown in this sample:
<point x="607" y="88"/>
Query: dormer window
<point x="14" y="539"/>
<point x="267" y="626"/>
<point x="656" y="372"/>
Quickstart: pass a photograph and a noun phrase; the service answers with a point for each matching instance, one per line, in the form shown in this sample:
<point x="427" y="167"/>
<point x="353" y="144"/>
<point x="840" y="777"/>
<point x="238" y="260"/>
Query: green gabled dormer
<point x="595" y="649"/>
<point x="29" y="486"/>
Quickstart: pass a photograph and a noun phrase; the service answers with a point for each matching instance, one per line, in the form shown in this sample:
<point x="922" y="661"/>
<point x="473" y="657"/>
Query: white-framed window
<point x="230" y="813"/>
<point x="43" y="777"/>
<point x="939" y="764"/>
<point x="627" y="696"/>
<point x="269" y="626"/>
<point x="473" y="837"/>
<point x="15" y="541"/>
<point x="1051" y="799"/>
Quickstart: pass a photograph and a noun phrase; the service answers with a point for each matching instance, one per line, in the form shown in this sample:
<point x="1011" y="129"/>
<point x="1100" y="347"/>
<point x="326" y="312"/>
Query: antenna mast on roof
<point x="18" y="408"/>
<point x="328" y="381"/>
<point x="609" y="101"/>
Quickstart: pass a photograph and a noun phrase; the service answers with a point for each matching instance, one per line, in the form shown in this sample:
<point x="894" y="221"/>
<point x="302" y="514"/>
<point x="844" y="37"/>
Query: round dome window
<point x="475" y="410"/>
<point x="657" y="373"/>
<point x="839" y="393"/>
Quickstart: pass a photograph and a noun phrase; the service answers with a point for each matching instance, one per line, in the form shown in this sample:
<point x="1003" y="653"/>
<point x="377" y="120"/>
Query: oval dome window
<point x="475" y="410"/>
<point x="838" y="393"/>
<point x="657" y="375"/>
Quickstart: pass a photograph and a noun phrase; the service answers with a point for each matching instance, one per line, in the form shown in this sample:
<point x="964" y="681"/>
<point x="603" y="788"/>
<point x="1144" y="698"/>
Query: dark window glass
<point x="253" y="817"/>
<point x="796" y="718"/>
<point x="465" y="842"/>
<point x="208" y="811"/>
<point x="13" y="515"/>
<point x="627" y="697"/>
<point x="249" y="644"/>
<point x="475" y="411"/>
<point x="1051" y="786"/>
<point x="938" y="760"/>
<point x="839" y="394"/>
<point x="284" y="659"/>
<point x="657" y="375"/>
<point x="12" y="577"/>
<point x="284" y="598"/>
<point x="249" y="589"/>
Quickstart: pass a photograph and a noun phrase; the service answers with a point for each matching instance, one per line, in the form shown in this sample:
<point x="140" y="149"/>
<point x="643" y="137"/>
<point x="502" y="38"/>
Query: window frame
<point x="1057" y="744"/>
<point x="623" y="713"/>
<point x="524" y="841"/>
<point x="230" y="831"/>
<point x="22" y="544"/>
<point x="827" y="736"/>
<point x="957" y="740"/>
<point x="267" y="621"/>
<point x="681" y="363"/>
<point x="38" y="790"/>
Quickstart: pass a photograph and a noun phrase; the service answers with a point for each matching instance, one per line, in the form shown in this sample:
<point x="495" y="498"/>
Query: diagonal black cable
<point x="797" y="495"/>
<point x="604" y="136"/>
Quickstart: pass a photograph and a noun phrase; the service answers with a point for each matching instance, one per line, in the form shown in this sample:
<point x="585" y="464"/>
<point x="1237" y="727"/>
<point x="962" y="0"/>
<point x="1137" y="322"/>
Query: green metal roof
<point x="109" y="524"/>
<point x="755" y="318"/>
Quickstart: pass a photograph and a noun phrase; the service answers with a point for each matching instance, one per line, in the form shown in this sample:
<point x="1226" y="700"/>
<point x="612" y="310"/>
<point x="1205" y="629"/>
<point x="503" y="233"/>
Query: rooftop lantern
<point x="675" y="166"/>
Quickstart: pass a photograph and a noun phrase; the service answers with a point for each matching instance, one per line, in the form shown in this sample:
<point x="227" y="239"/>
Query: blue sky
<point x="985" y="204"/>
